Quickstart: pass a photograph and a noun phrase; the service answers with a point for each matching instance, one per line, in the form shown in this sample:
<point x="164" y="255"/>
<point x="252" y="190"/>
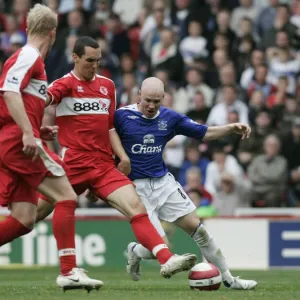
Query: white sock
<point x="212" y="252"/>
<point x="143" y="252"/>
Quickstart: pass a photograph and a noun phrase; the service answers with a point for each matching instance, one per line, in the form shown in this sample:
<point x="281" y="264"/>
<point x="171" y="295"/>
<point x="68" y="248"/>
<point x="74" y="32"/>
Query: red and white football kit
<point x="84" y="114"/>
<point x="24" y="73"/>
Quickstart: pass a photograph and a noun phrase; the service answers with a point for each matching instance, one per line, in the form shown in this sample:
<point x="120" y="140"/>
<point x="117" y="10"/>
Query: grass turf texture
<point x="19" y="283"/>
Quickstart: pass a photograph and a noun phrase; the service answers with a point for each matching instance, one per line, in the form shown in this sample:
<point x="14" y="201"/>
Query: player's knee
<point x="65" y="195"/>
<point x="137" y="206"/>
<point x="28" y="221"/>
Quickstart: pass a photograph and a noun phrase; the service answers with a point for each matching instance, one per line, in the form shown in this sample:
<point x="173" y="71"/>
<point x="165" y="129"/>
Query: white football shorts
<point x="164" y="199"/>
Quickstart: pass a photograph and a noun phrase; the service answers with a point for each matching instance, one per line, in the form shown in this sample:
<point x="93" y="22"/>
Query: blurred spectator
<point x="165" y="55"/>
<point x="194" y="45"/>
<point x="266" y="17"/>
<point x="157" y="5"/>
<point x="65" y="62"/>
<point x="183" y="97"/>
<point x="295" y="18"/>
<point x="278" y="97"/>
<point x="128" y="10"/>
<point x="169" y="86"/>
<point x="227" y="76"/>
<point x="246" y="9"/>
<point x="218" y="114"/>
<point x="256" y="105"/>
<point x="284" y="65"/>
<point x="128" y="87"/>
<point x="75" y="26"/>
<point x="232" y="193"/>
<point x="181" y="17"/>
<point x="291" y="150"/>
<point x="281" y="22"/>
<point x="221" y="163"/>
<point x="260" y="83"/>
<point x="11" y="33"/>
<point x="102" y="12"/>
<point x="268" y="175"/>
<point x="19" y="12"/>
<point x="257" y="58"/>
<point x="200" y="111"/>
<point x="109" y="62"/>
<point x="194" y="182"/>
<point x="126" y="66"/>
<point x="153" y="36"/>
<point x="249" y="148"/>
<point x="175" y="148"/>
<point x="116" y="35"/>
<point x="193" y="159"/>
<point x="219" y="59"/>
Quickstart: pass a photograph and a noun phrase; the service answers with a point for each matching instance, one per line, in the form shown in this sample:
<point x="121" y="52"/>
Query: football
<point x="205" y="276"/>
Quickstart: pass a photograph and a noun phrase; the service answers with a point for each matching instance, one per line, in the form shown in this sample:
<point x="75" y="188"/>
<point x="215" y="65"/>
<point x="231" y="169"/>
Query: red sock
<point x="11" y="229"/>
<point x="147" y="235"/>
<point x="63" y="224"/>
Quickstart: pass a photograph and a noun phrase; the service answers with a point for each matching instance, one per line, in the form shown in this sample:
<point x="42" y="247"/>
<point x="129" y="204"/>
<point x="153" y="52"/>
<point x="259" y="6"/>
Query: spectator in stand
<point x="233" y="193"/>
<point x="116" y="35"/>
<point x="257" y="103"/>
<point x="291" y="150"/>
<point x="246" y="9"/>
<point x="260" y="83"/>
<point x="218" y="113"/>
<point x="219" y="59"/>
<point x="200" y="111"/>
<point x="281" y="22"/>
<point x="250" y="148"/>
<point x="128" y="87"/>
<point x="193" y="159"/>
<point x="266" y="17"/>
<point x="194" y="45"/>
<point x="279" y="95"/>
<point x="165" y="55"/>
<point x="257" y="58"/>
<point x="183" y="97"/>
<point x="153" y="36"/>
<point x="109" y="62"/>
<point x="221" y="163"/>
<point x="170" y="86"/>
<point x="268" y="174"/>
<point x="227" y="76"/>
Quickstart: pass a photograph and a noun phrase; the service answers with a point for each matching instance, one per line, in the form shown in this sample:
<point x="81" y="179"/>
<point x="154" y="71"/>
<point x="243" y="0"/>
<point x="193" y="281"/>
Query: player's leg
<point x="44" y="208"/>
<point x="60" y="191"/>
<point x="211" y="251"/>
<point x="136" y="252"/>
<point x="21" y="199"/>
<point x="120" y="194"/>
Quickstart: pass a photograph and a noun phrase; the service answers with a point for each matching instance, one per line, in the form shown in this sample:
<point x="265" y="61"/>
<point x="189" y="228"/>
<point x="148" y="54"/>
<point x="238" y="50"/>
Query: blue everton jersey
<point x="144" y="139"/>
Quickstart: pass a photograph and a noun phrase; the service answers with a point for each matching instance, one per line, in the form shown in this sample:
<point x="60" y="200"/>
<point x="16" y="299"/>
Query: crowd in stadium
<point x="221" y="61"/>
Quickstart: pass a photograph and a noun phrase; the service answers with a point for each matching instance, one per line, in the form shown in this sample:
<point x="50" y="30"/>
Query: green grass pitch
<point x="39" y="284"/>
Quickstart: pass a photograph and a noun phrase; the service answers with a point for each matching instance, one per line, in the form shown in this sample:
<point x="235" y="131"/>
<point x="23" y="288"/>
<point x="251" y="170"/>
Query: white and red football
<point x="205" y="276"/>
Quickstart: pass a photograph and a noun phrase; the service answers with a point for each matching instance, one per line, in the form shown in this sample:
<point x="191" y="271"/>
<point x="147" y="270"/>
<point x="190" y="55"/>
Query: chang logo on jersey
<point x="145" y="148"/>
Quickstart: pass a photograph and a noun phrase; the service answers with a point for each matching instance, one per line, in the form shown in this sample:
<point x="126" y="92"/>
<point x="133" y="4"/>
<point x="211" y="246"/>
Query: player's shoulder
<point x="127" y="110"/>
<point x="105" y="80"/>
<point x="66" y="80"/>
<point x="26" y="55"/>
<point x="168" y="113"/>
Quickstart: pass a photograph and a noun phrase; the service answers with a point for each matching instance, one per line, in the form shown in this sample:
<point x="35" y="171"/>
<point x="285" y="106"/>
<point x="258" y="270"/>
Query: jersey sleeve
<point x="118" y="121"/>
<point x="112" y="107"/>
<point x="18" y="72"/>
<point x="186" y="126"/>
<point x="58" y="89"/>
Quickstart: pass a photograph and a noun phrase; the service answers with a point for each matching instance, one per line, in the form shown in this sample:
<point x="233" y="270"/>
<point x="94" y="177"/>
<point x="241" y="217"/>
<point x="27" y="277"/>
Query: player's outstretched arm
<point x="216" y="132"/>
<point x="124" y="164"/>
<point x="15" y="106"/>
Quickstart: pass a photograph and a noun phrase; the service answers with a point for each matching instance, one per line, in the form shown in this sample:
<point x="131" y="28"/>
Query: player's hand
<point x="242" y="129"/>
<point x="48" y="133"/>
<point x="124" y="166"/>
<point x="30" y="146"/>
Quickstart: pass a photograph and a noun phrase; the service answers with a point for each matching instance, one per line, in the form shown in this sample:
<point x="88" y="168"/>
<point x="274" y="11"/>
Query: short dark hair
<point x="82" y="42"/>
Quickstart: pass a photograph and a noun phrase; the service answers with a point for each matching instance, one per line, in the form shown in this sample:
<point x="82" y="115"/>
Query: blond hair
<point x="41" y="20"/>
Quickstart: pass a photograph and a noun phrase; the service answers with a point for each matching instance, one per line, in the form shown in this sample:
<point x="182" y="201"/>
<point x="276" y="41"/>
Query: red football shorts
<point x="93" y="170"/>
<point x="19" y="175"/>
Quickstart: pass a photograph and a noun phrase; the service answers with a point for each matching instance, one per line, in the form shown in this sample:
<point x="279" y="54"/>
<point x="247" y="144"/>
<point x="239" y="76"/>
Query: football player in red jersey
<point x="26" y="165"/>
<point x="85" y="106"/>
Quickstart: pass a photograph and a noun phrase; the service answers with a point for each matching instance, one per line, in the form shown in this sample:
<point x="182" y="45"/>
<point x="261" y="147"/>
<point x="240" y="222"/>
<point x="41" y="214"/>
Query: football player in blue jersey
<point x="144" y="130"/>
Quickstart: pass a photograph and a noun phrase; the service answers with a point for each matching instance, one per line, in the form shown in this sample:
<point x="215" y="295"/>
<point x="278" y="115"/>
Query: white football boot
<point x="241" y="284"/>
<point x="178" y="263"/>
<point x="77" y="279"/>
<point x="133" y="263"/>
